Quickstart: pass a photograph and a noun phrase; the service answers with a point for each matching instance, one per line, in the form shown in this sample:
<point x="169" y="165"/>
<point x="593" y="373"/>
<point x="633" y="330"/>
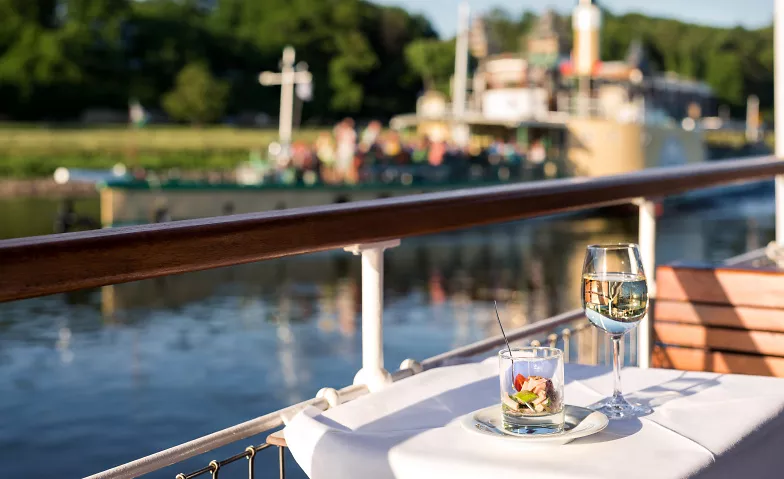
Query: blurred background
<point x="184" y="73"/>
<point x="116" y="112"/>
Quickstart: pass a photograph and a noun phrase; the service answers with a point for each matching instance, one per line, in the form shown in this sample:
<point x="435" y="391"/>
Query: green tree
<point x="197" y="97"/>
<point x="354" y="57"/>
<point x="34" y="61"/>
<point x="433" y="61"/>
<point x="504" y="31"/>
<point x="391" y="86"/>
<point x="354" y="48"/>
<point x="60" y="57"/>
<point x="725" y="75"/>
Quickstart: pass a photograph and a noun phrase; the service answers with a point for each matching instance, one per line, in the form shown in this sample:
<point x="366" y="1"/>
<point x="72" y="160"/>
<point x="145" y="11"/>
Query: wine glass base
<point x="617" y="407"/>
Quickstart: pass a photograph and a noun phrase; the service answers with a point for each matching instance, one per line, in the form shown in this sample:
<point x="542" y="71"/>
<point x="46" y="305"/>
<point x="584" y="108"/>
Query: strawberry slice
<point x="518" y="382"/>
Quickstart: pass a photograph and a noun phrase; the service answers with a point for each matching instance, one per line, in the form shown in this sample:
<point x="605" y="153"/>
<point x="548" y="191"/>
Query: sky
<point x="748" y="13"/>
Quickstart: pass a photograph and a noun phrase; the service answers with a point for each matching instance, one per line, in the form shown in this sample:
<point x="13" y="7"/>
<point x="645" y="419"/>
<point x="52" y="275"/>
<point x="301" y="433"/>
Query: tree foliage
<point x="735" y="62"/>
<point x="61" y="57"/>
<point x="433" y="61"/>
<point x="505" y="32"/>
<point x="197" y="97"/>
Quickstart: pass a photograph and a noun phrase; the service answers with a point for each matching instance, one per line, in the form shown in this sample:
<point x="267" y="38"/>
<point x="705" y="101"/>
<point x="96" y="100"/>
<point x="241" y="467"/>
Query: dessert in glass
<point x="532" y="382"/>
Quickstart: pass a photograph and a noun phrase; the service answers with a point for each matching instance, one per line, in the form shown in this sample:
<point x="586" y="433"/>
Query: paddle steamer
<point x="557" y="110"/>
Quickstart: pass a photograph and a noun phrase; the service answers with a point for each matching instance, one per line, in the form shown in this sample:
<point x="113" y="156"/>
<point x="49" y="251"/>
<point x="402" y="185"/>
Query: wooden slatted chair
<point x="720" y="319"/>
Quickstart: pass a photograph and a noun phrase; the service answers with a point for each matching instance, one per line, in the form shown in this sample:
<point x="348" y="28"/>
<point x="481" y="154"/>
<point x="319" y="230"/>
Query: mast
<point x="586" y="23"/>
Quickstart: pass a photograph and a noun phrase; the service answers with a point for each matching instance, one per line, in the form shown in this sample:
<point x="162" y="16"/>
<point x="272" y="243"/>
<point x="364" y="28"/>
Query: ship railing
<point x="563" y="331"/>
<point x="43" y="265"/>
<point x="574" y="105"/>
<point x="569" y="331"/>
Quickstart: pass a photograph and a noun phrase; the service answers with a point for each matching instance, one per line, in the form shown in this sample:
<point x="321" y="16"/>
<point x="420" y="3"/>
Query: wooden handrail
<point x="42" y="265"/>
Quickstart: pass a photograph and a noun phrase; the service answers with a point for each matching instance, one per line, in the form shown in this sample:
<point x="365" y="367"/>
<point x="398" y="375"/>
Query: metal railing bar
<point x="273" y="420"/>
<point x="282" y="462"/>
<point x="745" y="257"/>
<point x="553" y="338"/>
<point x="204" y="444"/>
<point x="234" y="458"/>
<point x="489" y="344"/>
<point x="51" y="264"/>
<point x="402" y="374"/>
<point x="252" y="460"/>
<point x="349" y="393"/>
<point x="203" y="470"/>
<point x="248" y="453"/>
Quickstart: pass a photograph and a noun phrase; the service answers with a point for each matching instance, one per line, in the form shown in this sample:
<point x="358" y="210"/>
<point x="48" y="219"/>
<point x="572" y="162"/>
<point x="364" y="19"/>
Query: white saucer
<point x="579" y="422"/>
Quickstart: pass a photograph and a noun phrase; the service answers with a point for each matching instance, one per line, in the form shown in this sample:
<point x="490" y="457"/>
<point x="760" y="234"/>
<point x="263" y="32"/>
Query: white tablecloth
<point x="704" y="424"/>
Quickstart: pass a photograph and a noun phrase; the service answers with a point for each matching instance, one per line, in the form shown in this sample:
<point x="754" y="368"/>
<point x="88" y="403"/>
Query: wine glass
<point x="615" y="299"/>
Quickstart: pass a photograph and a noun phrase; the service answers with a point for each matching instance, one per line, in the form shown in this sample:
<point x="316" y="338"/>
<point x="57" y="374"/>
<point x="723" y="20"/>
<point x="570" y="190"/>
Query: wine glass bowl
<point x="615" y="300"/>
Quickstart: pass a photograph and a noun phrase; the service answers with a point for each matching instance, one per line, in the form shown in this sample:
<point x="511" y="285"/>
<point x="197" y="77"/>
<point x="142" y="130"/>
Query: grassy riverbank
<point x="32" y="152"/>
<point x="733" y="138"/>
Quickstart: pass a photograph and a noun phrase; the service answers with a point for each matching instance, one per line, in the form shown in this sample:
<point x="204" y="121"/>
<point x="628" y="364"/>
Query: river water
<point x="96" y="378"/>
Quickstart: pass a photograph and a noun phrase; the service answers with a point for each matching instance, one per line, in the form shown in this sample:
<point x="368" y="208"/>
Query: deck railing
<point x="43" y="265"/>
<point x="38" y="266"/>
<point x="534" y="334"/>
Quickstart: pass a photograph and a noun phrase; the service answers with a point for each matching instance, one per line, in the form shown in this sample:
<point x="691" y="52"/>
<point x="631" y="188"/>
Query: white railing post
<point x="372" y="374"/>
<point x="780" y="207"/>
<point x="647" y="241"/>
<point x="778" y="92"/>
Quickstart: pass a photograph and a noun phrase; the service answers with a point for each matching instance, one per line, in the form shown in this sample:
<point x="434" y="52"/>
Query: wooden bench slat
<point x="741" y="317"/>
<point x="696" y="336"/>
<point x="738" y="287"/>
<point x="687" y="359"/>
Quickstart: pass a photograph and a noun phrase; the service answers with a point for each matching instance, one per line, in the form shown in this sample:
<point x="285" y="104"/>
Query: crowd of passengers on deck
<point x="378" y="155"/>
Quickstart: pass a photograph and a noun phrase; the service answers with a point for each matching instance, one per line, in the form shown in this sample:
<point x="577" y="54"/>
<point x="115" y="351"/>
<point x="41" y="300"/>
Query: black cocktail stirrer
<point x="495" y="303"/>
<point x="498" y="317"/>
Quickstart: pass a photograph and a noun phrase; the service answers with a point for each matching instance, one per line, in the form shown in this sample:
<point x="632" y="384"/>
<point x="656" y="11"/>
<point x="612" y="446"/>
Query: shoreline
<point x="45" y="188"/>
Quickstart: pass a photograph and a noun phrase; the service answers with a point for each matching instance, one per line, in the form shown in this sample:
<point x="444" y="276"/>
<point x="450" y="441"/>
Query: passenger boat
<point x="540" y="115"/>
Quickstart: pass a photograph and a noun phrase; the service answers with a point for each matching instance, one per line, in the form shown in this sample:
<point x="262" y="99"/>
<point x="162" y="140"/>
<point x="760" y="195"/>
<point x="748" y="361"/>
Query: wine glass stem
<point x="617" y="363"/>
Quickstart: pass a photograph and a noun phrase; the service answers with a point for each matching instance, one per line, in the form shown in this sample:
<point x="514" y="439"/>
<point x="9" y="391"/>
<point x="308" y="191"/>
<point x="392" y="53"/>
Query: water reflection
<point x="63" y="345"/>
<point x="104" y="376"/>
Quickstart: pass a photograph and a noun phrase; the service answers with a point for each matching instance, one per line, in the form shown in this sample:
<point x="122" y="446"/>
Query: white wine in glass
<point x="615" y="299"/>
